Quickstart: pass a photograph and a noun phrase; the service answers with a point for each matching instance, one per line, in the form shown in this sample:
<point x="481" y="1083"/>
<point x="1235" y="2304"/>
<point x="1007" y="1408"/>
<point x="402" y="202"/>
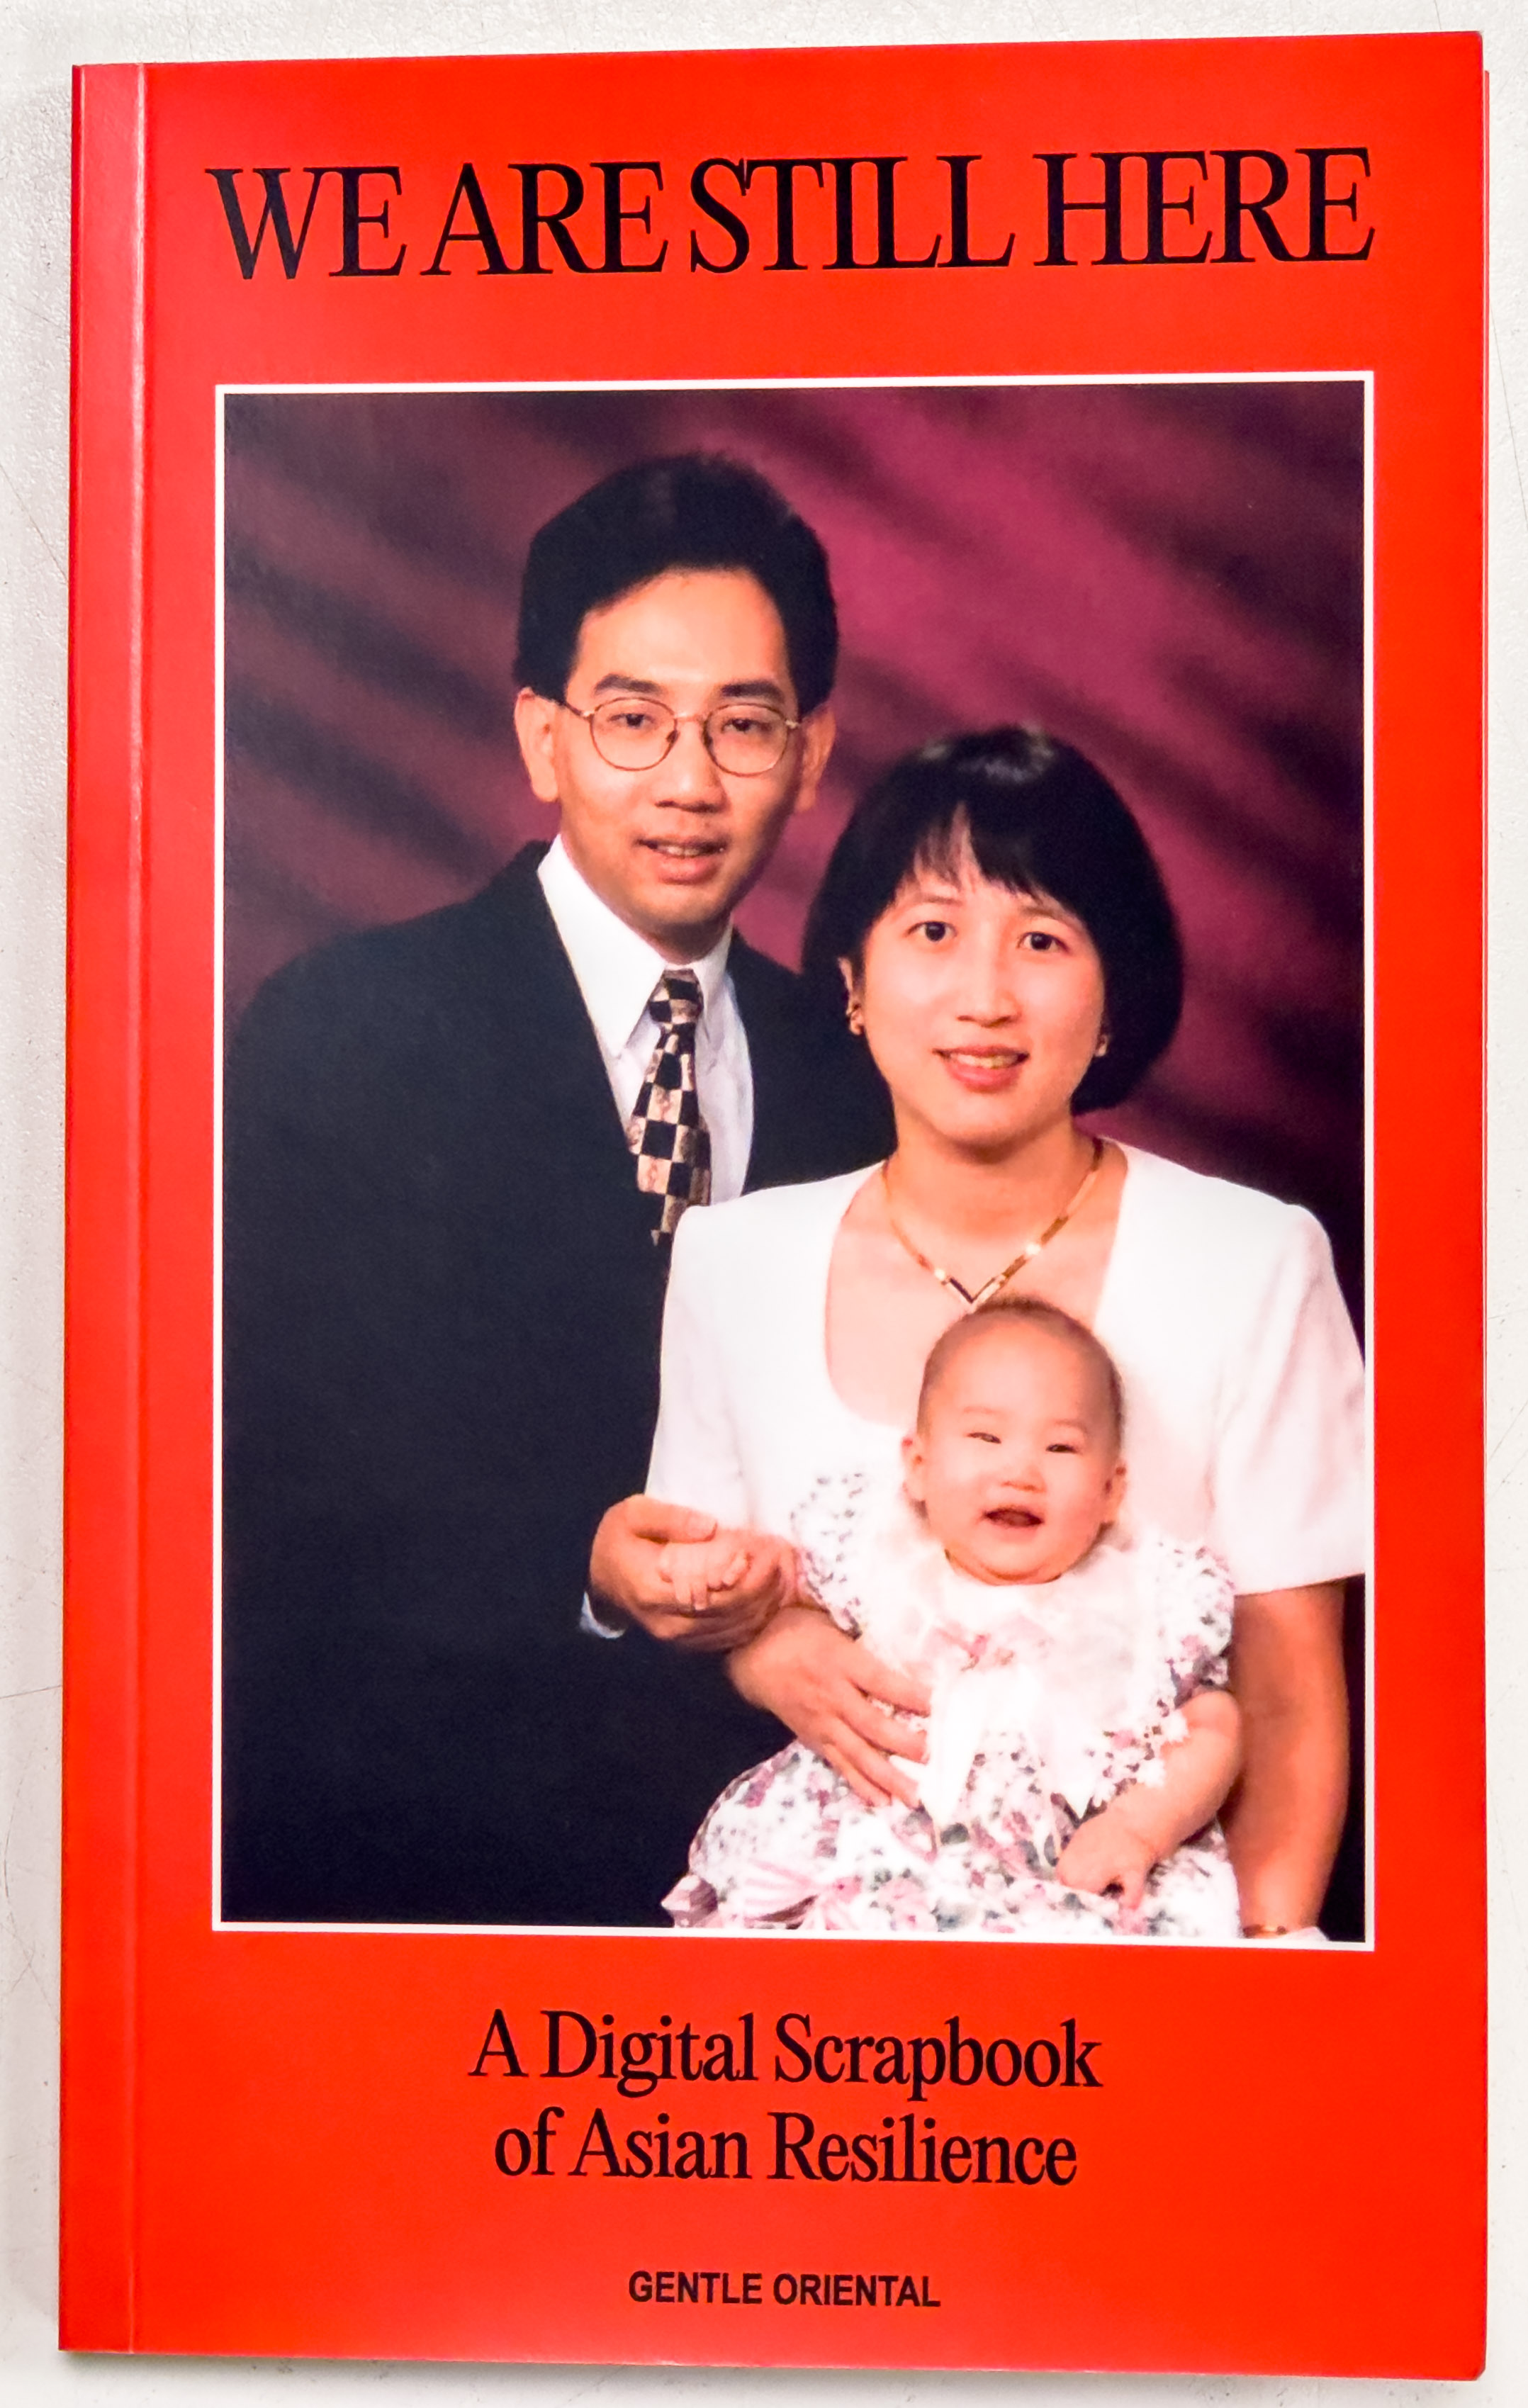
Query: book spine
<point x="103" y="1340"/>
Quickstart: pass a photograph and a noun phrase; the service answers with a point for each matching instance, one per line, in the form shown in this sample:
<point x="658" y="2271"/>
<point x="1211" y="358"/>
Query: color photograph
<point x="793" y="1208"/>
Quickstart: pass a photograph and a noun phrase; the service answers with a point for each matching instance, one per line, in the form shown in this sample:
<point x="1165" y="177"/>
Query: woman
<point x="1009" y="954"/>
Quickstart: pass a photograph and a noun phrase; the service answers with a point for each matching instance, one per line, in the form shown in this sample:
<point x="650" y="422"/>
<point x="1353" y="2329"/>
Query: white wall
<point x="39" y="41"/>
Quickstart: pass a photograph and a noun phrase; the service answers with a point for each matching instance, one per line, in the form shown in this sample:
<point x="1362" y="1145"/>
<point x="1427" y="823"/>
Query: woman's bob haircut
<point x="1035" y="817"/>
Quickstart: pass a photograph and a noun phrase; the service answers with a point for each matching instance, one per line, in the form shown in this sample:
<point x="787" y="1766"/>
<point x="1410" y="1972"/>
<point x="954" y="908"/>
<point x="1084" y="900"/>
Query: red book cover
<point x="775" y="800"/>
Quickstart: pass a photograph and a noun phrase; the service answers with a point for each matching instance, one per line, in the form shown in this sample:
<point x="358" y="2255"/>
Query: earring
<point x="1102" y="1047"/>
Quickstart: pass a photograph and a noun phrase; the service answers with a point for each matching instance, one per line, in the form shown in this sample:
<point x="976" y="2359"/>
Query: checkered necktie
<point x="666" y="1132"/>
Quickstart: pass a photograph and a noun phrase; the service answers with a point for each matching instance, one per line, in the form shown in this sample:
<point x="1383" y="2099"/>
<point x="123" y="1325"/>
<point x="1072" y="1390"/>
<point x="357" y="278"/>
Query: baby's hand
<point x="1107" y="1852"/>
<point x="737" y="1580"/>
<point x="696" y="1569"/>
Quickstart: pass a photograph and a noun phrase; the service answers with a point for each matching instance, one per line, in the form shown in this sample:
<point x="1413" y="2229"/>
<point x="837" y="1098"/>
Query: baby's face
<point x="1015" y="1462"/>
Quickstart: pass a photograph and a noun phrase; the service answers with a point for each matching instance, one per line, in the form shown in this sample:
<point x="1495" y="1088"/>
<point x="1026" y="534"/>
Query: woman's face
<point x="983" y="1008"/>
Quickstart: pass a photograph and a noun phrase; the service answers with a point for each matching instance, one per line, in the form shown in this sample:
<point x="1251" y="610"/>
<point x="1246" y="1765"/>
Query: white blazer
<point x="1244" y="1385"/>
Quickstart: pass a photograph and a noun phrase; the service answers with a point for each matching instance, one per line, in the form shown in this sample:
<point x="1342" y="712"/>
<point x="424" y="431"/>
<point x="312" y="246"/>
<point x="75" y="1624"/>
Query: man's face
<point x="672" y="850"/>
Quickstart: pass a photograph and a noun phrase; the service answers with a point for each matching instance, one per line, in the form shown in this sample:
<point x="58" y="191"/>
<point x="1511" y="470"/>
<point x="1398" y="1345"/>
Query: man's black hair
<point x="692" y="510"/>
<point x="1037" y="817"/>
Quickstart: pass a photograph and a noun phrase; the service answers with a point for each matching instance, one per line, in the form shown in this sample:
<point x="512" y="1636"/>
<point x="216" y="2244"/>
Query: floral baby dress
<point x="1047" y="1698"/>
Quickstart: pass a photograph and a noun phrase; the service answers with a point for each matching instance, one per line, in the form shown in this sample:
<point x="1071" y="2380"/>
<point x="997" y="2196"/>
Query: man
<point x="456" y="1154"/>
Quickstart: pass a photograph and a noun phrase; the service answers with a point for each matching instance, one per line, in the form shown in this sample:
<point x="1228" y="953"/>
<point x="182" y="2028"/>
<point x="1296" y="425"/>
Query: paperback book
<point x="774" y="1210"/>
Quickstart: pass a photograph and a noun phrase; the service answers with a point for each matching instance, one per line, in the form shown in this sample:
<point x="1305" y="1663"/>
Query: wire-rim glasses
<point x="745" y="739"/>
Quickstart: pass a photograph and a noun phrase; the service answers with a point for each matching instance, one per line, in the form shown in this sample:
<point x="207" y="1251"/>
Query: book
<point x="1131" y="394"/>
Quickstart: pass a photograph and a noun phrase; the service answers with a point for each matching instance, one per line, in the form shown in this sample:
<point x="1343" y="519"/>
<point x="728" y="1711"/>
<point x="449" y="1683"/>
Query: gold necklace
<point x="1026" y="1253"/>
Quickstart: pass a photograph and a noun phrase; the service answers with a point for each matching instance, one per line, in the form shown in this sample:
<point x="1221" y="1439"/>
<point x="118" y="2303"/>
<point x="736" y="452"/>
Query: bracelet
<point x="1266" y="1931"/>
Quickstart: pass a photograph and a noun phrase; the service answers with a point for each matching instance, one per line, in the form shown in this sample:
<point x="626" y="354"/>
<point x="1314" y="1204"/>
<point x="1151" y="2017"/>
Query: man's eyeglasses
<point x="743" y="739"/>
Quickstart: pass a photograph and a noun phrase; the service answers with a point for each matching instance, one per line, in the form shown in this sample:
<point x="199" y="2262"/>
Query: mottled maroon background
<point x="1171" y="577"/>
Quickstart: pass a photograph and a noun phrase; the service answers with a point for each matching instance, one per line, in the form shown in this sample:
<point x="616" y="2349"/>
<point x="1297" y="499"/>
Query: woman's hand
<point x="832" y="1693"/>
<point x="685" y="1581"/>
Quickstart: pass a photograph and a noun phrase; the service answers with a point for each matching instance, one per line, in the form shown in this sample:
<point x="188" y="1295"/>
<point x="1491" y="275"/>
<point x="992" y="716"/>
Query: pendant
<point x="999" y="1280"/>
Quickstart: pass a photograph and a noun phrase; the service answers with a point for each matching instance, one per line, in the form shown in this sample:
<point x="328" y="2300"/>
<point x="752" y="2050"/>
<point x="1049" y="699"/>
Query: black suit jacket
<point x="441" y="1320"/>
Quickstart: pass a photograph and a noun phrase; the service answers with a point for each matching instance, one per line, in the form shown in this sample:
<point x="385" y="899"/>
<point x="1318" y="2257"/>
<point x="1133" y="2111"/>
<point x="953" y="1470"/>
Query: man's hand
<point x="1108" y="1852"/>
<point x="832" y="1693"/>
<point x="642" y="1542"/>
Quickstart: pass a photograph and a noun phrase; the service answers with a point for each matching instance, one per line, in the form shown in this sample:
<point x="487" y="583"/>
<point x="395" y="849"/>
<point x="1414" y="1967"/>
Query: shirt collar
<point x="615" y="968"/>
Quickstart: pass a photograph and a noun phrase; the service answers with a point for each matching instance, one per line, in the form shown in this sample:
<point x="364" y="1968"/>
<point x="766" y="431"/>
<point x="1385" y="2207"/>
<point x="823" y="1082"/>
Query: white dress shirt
<point x="616" y="972"/>
<point x="1244" y="1386"/>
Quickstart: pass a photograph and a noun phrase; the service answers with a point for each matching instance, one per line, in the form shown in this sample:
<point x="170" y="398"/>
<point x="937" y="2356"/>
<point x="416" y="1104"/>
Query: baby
<point x="1080" y="1738"/>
